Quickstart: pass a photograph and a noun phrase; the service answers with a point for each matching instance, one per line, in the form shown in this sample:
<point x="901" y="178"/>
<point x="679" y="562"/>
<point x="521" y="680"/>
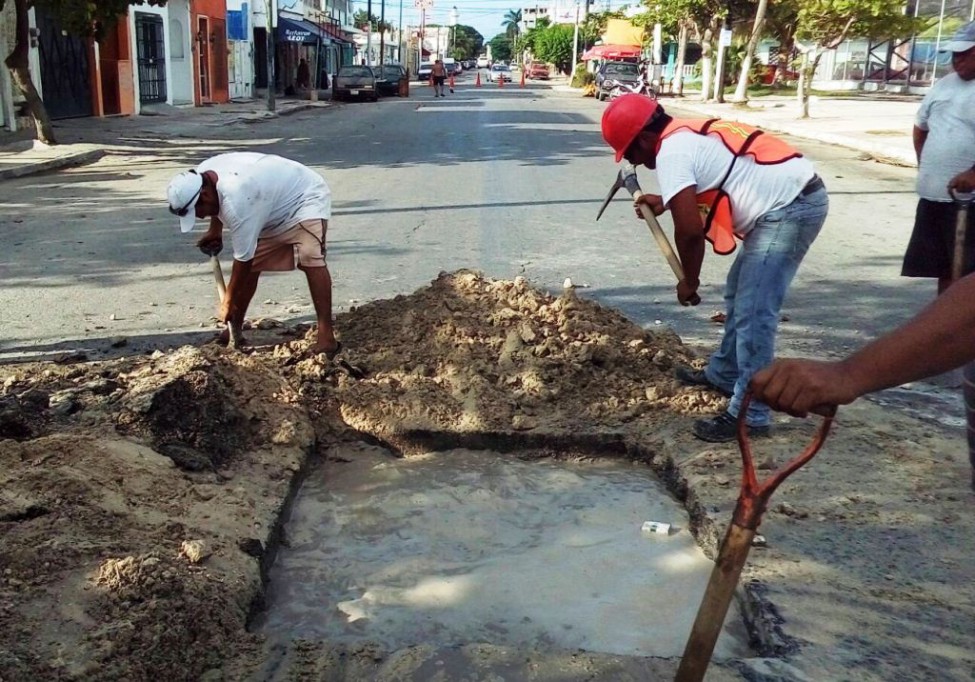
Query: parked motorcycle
<point x="641" y="87"/>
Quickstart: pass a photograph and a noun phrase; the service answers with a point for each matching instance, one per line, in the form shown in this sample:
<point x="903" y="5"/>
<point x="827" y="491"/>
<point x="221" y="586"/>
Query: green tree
<point x="512" y="26"/>
<point x="362" y="19"/>
<point x="555" y="45"/>
<point x="83" y="18"/>
<point x="823" y="24"/>
<point x="500" y="47"/>
<point x="467" y="42"/>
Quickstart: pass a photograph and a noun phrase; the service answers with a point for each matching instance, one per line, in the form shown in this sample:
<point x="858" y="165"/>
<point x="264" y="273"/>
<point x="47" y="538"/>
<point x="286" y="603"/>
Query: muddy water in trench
<point x="469" y="546"/>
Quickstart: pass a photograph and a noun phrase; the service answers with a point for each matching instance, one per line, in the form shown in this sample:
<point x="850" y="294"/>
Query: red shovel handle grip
<point x="754" y="496"/>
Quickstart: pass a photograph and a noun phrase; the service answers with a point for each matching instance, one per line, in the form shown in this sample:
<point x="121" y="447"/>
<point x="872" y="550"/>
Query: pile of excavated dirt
<point x="140" y="498"/>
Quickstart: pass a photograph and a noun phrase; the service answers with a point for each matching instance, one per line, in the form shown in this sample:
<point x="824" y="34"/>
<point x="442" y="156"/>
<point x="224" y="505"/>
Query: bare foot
<point x="330" y="350"/>
<point x="223" y="338"/>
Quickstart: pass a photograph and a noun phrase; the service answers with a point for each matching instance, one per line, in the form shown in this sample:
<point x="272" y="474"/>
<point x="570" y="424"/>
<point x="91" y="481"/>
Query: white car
<point x="483" y="62"/>
<point x="499" y="72"/>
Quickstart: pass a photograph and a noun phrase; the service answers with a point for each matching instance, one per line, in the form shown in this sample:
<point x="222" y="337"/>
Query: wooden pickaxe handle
<point x="236" y="335"/>
<point x="633" y="187"/>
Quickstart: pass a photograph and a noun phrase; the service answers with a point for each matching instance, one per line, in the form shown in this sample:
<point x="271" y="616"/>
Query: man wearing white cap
<point x="277" y="212"/>
<point x="944" y="140"/>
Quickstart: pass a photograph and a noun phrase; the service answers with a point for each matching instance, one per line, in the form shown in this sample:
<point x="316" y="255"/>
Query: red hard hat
<point x="624" y="118"/>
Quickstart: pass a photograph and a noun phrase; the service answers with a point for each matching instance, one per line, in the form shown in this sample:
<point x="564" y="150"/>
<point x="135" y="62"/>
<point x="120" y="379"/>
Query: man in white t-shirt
<point x="277" y="212"/>
<point x="754" y="189"/>
<point x="944" y="139"/>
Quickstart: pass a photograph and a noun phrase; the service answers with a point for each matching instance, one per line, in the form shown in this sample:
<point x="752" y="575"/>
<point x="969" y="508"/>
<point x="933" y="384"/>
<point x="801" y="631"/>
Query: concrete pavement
<point x="876" y="124"/>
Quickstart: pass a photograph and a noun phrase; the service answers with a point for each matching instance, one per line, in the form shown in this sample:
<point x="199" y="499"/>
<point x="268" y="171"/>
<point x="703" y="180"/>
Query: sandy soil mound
<point x="139" y="498"/>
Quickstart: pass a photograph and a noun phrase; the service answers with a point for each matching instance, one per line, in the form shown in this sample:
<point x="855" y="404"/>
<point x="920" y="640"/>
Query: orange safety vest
<point x="740" y="139"/>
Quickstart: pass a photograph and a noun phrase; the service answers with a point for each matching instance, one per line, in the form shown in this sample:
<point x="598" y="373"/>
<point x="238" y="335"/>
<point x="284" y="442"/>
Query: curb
<point x="67" y="161"/>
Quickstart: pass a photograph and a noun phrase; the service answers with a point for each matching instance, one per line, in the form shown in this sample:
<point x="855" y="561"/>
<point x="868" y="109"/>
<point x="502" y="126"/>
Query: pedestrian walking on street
<point x="756" y="189"/>
<point x="439" y="75"/>
<point x="944" y="140"/>
<point x="277" y="212"/>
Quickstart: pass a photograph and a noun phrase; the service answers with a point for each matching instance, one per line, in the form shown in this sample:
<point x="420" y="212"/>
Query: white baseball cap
<point x="183" y="193"/>
<point x="963" y="40"/>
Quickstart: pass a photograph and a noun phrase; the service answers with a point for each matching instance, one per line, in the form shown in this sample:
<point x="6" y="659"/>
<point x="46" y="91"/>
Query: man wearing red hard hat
<point x="725" y="182"/>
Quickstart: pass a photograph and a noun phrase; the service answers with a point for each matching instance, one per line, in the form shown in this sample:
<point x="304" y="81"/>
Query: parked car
<point x="538" y="71"/>
<point x="499" y="72"/>
<point x="452" y="69"/>
<point x="388" y="77"/>
<point x="355" y="82"/>
<point x="483" y="62"/>
<point x="423" y="73"/>
<point x="611" y="73"/>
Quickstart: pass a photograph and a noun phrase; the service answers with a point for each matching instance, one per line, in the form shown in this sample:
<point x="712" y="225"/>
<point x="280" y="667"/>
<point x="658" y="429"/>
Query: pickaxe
<point x="235" y="337"/>
<point x="627" y="178"/>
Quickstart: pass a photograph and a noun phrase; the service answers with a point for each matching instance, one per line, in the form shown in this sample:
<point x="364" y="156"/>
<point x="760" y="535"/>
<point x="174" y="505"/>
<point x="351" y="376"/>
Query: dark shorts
<point x="932" y="246"/>
<point x="439" y="80"/>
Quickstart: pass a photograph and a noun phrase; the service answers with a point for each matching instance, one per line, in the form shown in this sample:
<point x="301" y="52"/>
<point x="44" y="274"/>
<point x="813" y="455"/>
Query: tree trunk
<point x="677" y="87"/>
<point x="707" y="48"/>
<point x="806" y="74"/>
<point x="741" y="92"/>
<point x="19" y="65"/>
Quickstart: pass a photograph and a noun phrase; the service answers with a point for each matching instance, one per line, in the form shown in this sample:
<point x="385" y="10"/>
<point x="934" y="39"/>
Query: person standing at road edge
<point x="277" y="212"/>
<point x="944" y="141"/>
<point x="754" y="188"/>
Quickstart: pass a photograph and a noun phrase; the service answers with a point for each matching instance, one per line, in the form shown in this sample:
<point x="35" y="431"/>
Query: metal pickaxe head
<point x="612" y="193"/>
<point x="625" y="178"/>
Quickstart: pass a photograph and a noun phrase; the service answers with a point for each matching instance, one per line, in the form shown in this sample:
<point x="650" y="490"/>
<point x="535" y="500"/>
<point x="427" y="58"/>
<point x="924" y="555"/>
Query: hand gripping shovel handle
<point x="633" y="187"/>
<point x="752" y="501"/>
<point x="962" y="204"/>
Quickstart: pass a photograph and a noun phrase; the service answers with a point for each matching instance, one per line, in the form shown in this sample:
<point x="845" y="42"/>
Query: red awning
<point x="612" y="52"/>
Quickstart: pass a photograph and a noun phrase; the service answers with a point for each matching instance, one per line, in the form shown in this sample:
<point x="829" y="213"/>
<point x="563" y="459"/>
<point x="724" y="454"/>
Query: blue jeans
<point x="767" y="260"/>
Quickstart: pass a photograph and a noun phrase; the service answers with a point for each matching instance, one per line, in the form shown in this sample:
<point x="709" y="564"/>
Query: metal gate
<point x="151" y="47"/>
<point x="65" y="75"/>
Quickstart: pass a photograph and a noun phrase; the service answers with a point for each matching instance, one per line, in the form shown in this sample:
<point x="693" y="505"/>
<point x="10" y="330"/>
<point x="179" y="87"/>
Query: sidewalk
<point x="876" y="124"/>
<point x="29" y="157"/>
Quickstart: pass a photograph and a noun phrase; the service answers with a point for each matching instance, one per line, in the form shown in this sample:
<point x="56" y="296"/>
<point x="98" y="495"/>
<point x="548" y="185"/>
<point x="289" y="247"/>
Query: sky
<point x="485" y="16"/>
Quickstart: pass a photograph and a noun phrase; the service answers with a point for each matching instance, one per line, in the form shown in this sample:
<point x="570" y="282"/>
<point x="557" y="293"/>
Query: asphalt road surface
<point x="504" y="180"/>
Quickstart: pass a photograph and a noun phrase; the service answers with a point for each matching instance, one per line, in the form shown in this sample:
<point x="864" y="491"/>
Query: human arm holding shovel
<point x="941" y="337"/>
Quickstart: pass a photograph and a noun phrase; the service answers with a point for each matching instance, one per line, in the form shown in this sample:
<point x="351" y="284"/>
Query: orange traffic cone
<point x="522" y="77"/>
<point x="431" y="81"/>
<point x="451" y="84"/>
<point x="477" y="83"/>
<point x="500" y="80"/>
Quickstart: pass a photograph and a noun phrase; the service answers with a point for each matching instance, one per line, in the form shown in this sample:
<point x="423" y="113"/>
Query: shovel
<point x="752" y="502"/>
<point x="962" y="204"/>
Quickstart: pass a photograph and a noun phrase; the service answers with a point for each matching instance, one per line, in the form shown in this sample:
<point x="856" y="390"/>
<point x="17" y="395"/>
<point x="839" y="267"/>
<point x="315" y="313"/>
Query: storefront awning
<point x="612" y="52"/>
<point x="299" y="31"/>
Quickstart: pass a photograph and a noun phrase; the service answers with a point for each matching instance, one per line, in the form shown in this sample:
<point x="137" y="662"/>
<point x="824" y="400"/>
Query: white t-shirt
<point x="948" y="114"/>
<point x="687" y="158"/>
<point x="263" y="195"/>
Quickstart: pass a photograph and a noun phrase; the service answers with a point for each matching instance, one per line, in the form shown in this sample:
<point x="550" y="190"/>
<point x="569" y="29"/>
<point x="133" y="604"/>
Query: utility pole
<point x="269" y="34"/>
<point x="575" y="46"/>
<point x="369" y="33"/>
<point x="399" y="44"/>
<point x="382" y="33"/>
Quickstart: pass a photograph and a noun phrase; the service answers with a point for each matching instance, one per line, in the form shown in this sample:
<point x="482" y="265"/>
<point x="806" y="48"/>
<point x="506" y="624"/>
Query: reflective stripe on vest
<point x="741" y="140"/>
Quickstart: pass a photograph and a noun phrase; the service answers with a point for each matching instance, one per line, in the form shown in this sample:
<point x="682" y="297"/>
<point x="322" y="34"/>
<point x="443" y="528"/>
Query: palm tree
<point x="512" y="24"/>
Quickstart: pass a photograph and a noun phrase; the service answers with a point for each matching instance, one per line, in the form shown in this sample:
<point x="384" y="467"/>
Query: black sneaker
<point x="724" y="429"/>
<point x="696" y="377"/>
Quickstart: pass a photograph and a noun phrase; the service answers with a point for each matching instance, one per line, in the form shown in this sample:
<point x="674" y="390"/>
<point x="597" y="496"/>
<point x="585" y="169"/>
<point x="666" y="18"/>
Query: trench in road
<point x="464" y="546"/>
